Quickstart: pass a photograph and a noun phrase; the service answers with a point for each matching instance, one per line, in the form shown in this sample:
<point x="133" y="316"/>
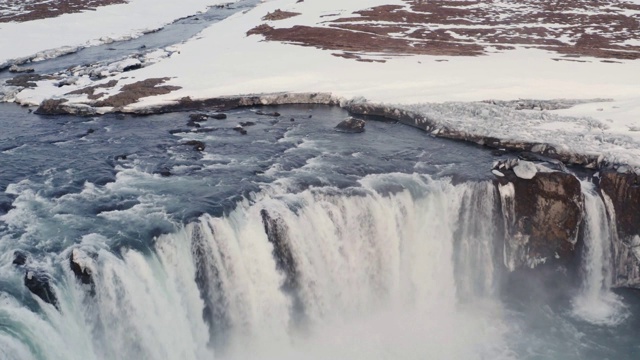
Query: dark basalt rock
<point x="77" y="263"/>
<point x="274" y="114"/>
<point x="277" y="234"/>
<point x="132" y="67"/>
<point x="121" y="157"/>
<point x="19" y="258"/>
<point x="219" y="116"/>
<point x="198" y="117"/>
<point x="165" y="173"/>
<point x="240" y="130"/>
<point x="26" y="80"/>
<point x="542" y="218"/>
<point x="197" y="145"/>
<point x="621" y="192"/>
<point x="351" y="125"/>
<point x="51" y="107"/>
<point x="624" y="191"/>
<point x="247" y="123"/>
<point x="39" y="283"/>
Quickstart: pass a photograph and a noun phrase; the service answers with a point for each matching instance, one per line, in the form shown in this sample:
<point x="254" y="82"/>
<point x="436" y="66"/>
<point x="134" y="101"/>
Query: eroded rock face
<point x="624" y="192"/>
<point x="542" y="218"/>
<point x="621" y="193"/>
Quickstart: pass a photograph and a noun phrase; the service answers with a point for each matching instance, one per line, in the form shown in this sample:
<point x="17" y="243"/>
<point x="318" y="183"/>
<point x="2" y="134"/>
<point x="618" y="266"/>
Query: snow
<point x="56" y="36"/>
<point x="223" y="61"/>
<point x="525" y="170"/>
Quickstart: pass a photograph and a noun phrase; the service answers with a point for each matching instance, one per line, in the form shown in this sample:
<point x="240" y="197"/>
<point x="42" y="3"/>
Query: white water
<point x="403" y="276"/>
<point x="596" y="303"/>
<point x="377" y="275"/>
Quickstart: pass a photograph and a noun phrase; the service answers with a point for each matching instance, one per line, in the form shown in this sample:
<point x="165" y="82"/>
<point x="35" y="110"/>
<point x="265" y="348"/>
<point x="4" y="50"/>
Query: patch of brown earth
<point x="90" y="90"/>
<point x="358" y="42"/>
<point x="279" y="15"/>
<point x="27" y="80"/>
<point x="442" y="27"/>
<point x="27" y="10"/>
<point x="131" y="93"/>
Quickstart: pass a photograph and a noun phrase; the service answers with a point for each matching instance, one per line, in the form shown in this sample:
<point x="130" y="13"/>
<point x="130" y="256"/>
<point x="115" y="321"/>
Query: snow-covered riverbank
<point x="224" y="61"/>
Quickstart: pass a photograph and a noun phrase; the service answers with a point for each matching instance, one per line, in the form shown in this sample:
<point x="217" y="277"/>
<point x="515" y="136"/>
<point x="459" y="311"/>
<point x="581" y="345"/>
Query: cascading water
<point x="596" y="303"/>
<point x="369" y="274"/>
<point x="366" y="275"/>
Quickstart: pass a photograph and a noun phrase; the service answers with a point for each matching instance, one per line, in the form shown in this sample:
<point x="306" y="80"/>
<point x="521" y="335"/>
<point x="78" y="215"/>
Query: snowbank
<point x="224" y="61"/>
<point x="46" y="38"/>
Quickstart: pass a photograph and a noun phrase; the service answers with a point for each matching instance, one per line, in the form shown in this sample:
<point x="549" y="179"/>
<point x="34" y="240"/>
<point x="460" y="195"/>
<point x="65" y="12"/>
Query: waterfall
<point x="402" y="267"/>
<point x="360" y="273"/>
<point x="596" y="303"/>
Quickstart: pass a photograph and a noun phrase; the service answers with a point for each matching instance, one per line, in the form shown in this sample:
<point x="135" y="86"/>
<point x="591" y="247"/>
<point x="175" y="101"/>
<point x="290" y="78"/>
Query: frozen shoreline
<point x="57" y="36"/>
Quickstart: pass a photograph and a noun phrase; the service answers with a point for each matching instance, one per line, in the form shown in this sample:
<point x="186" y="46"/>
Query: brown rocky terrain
<point x="572" y="28"/>
<point x="27" y="10"/>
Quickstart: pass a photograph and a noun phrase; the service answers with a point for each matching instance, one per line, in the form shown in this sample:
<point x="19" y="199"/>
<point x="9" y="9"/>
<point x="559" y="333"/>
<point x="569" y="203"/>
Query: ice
<point x="56" y="36"/>
<point x="525" y="170"/>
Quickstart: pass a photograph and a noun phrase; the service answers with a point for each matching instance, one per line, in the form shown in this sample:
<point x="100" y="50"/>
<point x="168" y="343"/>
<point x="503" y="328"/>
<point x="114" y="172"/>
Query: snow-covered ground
<point x="224" y="61"/>
<point x="45" y="38"/>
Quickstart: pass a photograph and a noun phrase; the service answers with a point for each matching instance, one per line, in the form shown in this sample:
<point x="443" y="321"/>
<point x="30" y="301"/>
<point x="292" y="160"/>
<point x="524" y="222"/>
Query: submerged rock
<point x="351" y="125"/>
<point x="274" y="114"/>
<point x="197" y="145"/>
<point x="219" y="116"/>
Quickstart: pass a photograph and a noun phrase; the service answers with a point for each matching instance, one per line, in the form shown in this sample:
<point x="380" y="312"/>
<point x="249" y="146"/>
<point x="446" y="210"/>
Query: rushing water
<point x="293" y="241"/>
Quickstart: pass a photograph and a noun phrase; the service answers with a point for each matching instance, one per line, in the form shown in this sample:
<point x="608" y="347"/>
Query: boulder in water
<point x="274" y="114"/>
<point x="19" y="258"/>
<point x="240" y="129"/>
<point x="219" y="116"/>
<point x="39" y="283"/>
<point x="198" y="117"/>
<point x="81" y="264"/>
<point x="197" y="145"/>
<point x="351" y="125"/>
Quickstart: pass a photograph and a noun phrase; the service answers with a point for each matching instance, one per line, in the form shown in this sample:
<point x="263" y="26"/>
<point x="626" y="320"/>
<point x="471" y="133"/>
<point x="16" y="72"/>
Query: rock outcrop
<point x="39" y="283"/>
<point x="542" y="217"/>
<point x="621" y="192"/>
